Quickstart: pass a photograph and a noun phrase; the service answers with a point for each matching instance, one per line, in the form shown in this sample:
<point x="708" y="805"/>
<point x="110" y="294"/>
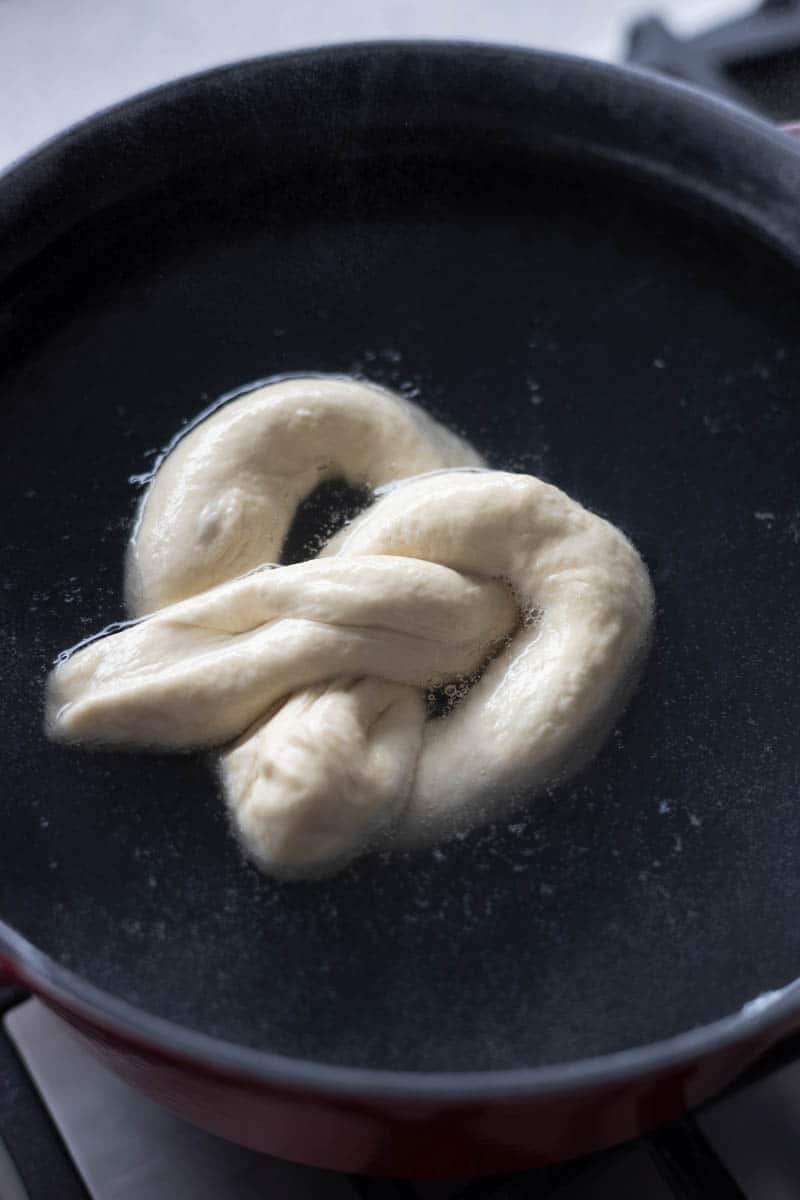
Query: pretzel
<point x="314" y="677"/>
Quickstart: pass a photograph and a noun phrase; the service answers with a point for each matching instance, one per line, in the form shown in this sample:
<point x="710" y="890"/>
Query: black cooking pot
<point x="593" y="274"/>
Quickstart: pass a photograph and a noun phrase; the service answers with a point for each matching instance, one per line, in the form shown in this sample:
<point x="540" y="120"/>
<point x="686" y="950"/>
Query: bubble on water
<point x="442" y="700"/>
<point x="534" y="392"/>
<point x="530" y="614"/>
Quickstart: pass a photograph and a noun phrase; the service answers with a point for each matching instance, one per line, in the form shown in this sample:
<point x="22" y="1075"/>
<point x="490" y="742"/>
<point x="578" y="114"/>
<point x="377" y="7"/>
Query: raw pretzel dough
<point x="320" y="669"/>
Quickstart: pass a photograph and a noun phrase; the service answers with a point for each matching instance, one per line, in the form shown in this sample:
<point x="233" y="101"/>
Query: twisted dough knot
<point x="320" y="670"/>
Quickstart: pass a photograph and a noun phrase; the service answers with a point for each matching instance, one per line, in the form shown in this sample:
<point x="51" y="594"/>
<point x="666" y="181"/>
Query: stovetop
<point x="71" y="1130"/>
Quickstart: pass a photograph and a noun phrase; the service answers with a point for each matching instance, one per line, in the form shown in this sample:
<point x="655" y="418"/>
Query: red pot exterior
<point x="425" y="1138"/>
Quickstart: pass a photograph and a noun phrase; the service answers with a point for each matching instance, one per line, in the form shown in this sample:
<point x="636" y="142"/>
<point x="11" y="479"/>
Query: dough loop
<point x="321" y="669"/>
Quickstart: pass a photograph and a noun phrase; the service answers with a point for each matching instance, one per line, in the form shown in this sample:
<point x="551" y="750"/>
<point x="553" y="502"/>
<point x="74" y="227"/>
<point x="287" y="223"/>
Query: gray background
<point x="61" y="60"/>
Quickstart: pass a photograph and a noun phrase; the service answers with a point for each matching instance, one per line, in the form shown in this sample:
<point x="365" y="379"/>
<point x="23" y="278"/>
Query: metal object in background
<point x="128" y="1148"/>
<point x="753" y="60"/>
